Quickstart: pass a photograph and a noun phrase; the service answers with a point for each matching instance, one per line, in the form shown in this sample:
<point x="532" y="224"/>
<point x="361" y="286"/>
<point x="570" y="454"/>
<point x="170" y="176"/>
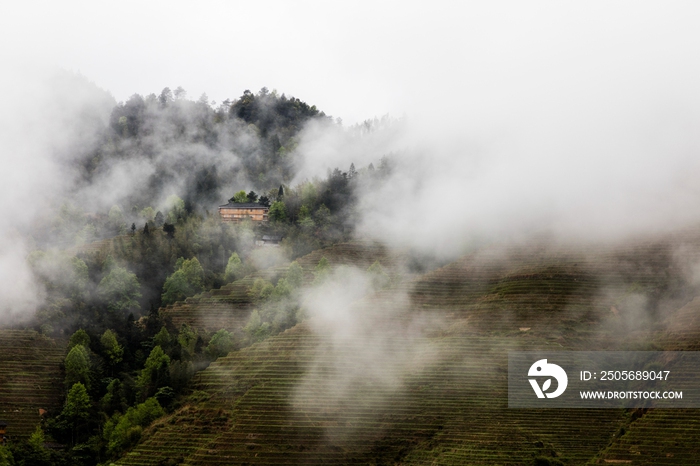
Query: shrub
<point x="295" y="275"/>
<point x="220" y="344"/>
<point x="321" y="271"/>
<point x="187" y="280"/>
<point x="234" y="268"/>
<point x="121" y="432"/>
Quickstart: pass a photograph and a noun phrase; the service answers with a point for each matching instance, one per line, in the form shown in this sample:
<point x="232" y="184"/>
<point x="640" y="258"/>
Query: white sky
<point x="360" y="59"/>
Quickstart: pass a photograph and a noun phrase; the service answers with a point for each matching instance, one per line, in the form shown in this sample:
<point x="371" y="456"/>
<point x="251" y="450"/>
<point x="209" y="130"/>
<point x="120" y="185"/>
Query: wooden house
<point x="238" y="211"/>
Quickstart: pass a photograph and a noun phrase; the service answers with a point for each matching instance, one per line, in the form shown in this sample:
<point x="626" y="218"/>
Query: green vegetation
<point x="106" y="290"/>
<point x="221" y="343"/>
<point x="278" y="212"/>
<point x="234" y="268"/>
<point x="187" y="280"/>
<point x="321" y="271"/>
<point x="179" y="340"/>
<point x="80" y="337"/>
<point x="274" y="383"/>
<point x="76" y="409"/>
<point x="277" y="306"/>
<point x="77" y="366"/>
<point x="282" y="390"/>
<point x="6" y="458"/>
<point x="120" y="290"/>
<point x="155" y="373"/>
<point x="239" y="197"/>
<point x="113" y="350"/>
<point x="295" y="275"/>
<point x="122" y="431"/>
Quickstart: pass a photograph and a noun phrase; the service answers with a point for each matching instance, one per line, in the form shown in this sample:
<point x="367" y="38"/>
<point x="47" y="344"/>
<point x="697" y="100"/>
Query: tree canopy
<point x="120" y="289"/>
<point x="77" y="406"/>
<point x="187" y="280"/>
<point x="240" y="197"/>
<point x="80" y="337"/>
<point x="113" y="350"/>
<point x="220" y="344"/>
<point x="278" y="212"/>
<point x="234" y="268"/>
<point x="77" y="366"/>
<point x="123" y="350"/>
<point x="155" y="372"/>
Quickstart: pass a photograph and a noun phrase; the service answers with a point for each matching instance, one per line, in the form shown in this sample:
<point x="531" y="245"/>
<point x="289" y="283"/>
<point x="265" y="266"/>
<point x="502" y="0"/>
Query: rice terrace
<point x="439" y="340"/>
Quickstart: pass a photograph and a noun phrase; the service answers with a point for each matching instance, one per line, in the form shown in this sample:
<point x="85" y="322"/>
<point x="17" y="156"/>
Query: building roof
<point x="243" y="205"/>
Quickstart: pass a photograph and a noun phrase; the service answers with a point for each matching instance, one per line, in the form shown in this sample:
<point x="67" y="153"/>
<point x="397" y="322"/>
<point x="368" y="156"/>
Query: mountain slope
<point x="30" y="379"/>
<point x="417" y="374"/>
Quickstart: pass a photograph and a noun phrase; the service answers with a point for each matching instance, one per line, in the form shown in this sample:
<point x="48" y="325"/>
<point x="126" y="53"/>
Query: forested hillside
<point x="169" y="154"/>
<point x="330" y="233"/>
<point x="415" y="371"/>
<point x="164" y="335"/>
<point x="139" y="236"/>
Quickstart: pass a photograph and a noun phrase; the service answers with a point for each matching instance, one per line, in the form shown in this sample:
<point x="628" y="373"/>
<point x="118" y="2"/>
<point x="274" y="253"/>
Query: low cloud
<point x="368" y="345"/>
<point x="50" y="119"/>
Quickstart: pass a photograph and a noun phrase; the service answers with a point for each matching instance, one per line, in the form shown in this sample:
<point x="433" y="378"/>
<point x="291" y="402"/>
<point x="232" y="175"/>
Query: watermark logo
<point x="542" y="368"/>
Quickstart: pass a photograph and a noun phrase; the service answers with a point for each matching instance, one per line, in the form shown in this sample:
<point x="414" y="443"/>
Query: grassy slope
<point x="445" y="403"/>
<point x="30" y="379"/>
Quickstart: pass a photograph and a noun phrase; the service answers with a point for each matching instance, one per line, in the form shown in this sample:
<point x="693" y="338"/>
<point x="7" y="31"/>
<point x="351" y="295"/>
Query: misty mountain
<point x="165" y="144"/>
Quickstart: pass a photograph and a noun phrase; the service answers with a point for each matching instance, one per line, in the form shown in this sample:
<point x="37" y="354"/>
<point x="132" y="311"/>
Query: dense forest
<point x="126" y="365"/>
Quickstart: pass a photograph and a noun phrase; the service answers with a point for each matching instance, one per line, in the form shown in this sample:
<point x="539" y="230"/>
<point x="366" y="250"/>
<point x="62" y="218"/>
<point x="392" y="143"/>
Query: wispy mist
<point x="49" y="119"/>
<point x="577" y="122"/>
<point x="368" y="347"/>
<point x="509" y="120"/>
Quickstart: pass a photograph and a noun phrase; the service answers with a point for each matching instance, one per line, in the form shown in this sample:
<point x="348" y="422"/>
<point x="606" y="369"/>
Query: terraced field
<point x="682" y="329"/>
<point x="442" y="413"/>
<point x="417" y="374"/>
<point x="30" y="379"/>
<point x="659" y="437"/>
<point x="230" y="306"/>
<point x="104" y="246"/>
